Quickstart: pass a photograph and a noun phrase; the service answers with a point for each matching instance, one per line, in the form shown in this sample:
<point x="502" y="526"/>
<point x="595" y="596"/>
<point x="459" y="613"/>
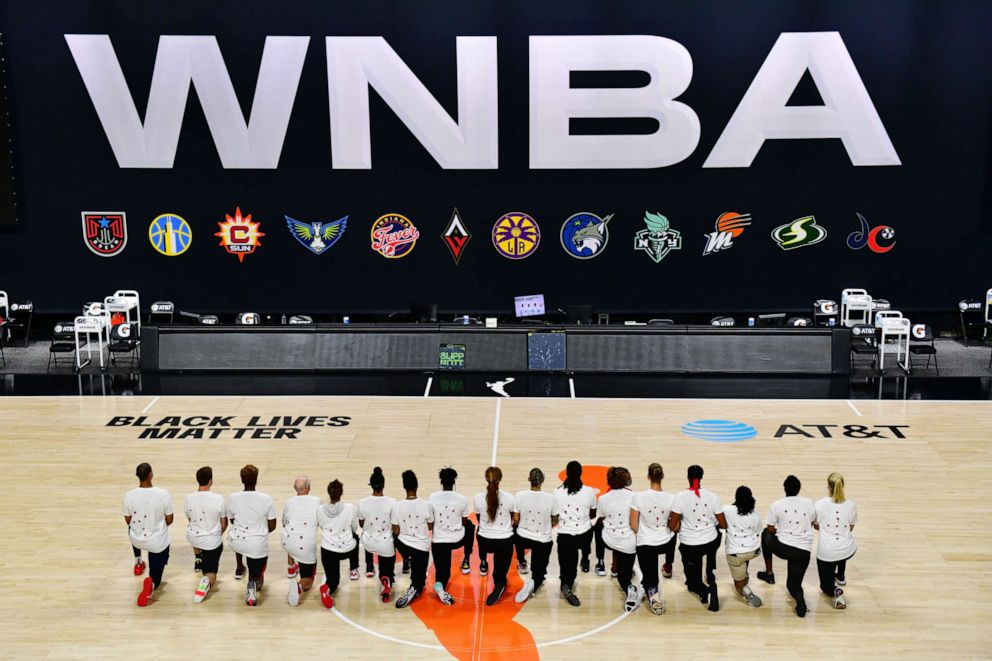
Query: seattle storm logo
<point x="584" y="235"/>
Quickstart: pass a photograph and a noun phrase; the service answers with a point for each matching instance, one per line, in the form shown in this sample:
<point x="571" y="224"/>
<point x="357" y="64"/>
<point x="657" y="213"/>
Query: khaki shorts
<point x="738" y="563"/>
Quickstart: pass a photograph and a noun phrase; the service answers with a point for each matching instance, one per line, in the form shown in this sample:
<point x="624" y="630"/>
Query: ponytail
<point x="377" y="480"/>
<point x="573" y="477"/>
<point x="493" y="477"/>
<point x="836" y="483"/>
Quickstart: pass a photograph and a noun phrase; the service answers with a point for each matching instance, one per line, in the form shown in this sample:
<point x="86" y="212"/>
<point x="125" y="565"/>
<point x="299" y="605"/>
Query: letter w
<point x="179" y="61"/>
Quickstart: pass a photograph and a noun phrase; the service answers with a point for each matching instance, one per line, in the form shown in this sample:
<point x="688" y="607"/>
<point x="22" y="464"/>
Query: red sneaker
<point x="666" y="570"/>
<point x="386" y="589"/>
<point x="146" y="592"/>
<point x="291" y="571"/>
<point x="139" y="567"/>
<point x="325" y="596"/>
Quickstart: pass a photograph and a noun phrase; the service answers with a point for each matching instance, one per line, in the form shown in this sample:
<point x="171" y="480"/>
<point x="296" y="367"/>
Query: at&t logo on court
<point x="721" y="431"/>
<point x="170" y="235"/>
<point x="516" y="235"/>
<point x="239" y="235"/>
<point x="394" y="236"/>
<point x="584" y="235"/>
<point x="880" y="239"/>
<point x="729" y="226"/>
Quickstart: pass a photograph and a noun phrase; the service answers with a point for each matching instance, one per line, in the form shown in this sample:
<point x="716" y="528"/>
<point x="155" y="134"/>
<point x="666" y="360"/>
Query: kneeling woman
<point x="614" y="512"/>
<point x="494" y="508"/>
<point x="338" y="521"/>
<point x="835" y="519"/>
<point x="535" y="514"/>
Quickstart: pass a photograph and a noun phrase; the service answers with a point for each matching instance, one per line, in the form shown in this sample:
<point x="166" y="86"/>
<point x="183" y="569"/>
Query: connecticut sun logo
<point x="394" y="236"/>
<point x="239" y="235"/>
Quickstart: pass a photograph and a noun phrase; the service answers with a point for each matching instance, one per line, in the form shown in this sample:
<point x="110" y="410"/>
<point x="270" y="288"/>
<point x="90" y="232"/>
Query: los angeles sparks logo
<point x="239" y="235"/>
<point x="394" y="236"/>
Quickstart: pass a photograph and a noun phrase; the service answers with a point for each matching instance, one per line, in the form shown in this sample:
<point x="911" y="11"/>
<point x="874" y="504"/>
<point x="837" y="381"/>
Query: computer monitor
<point x="528" y="306"/>
<point x="424" y="312"/>
<point x="578" y="314"/>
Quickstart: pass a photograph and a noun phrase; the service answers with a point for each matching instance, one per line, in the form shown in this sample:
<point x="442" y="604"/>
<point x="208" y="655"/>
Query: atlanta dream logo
<point x="394" y="236"/>
<point x="105" y="232"/>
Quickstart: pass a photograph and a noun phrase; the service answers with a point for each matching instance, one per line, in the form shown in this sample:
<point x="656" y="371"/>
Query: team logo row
<point x="515" y="235"/>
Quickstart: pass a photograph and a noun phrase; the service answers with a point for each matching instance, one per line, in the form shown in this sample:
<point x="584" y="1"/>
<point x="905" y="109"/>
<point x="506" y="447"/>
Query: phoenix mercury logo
<point x="729" y="226"/>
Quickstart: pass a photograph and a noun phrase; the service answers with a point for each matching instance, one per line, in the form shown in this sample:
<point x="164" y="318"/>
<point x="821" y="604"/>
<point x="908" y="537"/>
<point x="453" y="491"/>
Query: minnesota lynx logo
<point x="729" y="226"/>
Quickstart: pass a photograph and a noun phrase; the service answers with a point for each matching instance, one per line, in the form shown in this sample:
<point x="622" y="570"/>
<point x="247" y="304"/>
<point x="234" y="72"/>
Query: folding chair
<point x="63" y="342"/>
<point x="124" y="339"/>
<point x="863" y="343"/>
<point x="922" y="344"/>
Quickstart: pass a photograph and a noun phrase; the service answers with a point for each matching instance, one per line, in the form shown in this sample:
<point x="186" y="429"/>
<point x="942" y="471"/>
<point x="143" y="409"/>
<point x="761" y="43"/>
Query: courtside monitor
<point x="529" y="306"/>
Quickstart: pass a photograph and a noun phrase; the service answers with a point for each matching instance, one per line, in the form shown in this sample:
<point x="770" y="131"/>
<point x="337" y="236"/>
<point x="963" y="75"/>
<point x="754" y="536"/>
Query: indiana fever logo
<point x="880" y="239"/>
<point x="394" y="236"/>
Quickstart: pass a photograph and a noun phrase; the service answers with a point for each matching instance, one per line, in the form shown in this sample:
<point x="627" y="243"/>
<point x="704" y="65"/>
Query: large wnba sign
<point x="354" y="64"/>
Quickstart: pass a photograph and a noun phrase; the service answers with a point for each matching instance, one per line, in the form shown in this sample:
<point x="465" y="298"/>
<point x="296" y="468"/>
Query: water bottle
<point x="465" y="320"/>
<point x="284" y="319"/>
<point x="831" y="321"/>
<point x="345" y="320"/>
<point x="750" y="322"/>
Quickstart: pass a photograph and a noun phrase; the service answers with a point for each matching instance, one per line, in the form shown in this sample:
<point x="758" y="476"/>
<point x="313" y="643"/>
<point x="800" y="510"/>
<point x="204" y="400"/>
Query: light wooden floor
<point x="920" y="587"/>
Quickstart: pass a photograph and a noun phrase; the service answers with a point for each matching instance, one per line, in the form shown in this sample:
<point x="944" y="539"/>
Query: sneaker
<point x="251" y="595"/>
<point x="584" y="565"/>
<point x="406" y="566"/>
<point x="656" y="603"/>
<point x="801" y="609"/>
<point x="385" y="590"/>
<point x="293" y="598"/>
<point x="369" y="572"/>
<point x="466" y="567"/>
<point x="839" y="602"/>
<point x="293" y="570"/>
<point x="600" y="568"/>
<point x="666" y="570"/>
<point x="525" y="592"/>
<point x="201" y="590"/>
<point x="633" y="599"/>
<point x="752" y="599"/>
<point x="407" y="597"/>
<point x="714" y="598"/>
<point x="483" y="568"/>
<point x="139" y="567"/>
<point x="840" y="581"/>
<point x="443" y="595"/>
<point x="198" y="564"/>
<point x="613" y="569"/>
<point x="496" y="594"/>
<point x="522" y="567"/>
<point x="240" y="573"/>
<point x="354" y="574"/>
<point x="569" y="596"/>
<point x="147" y="587"/>
<point x="325" y="596"/>
<point x="767" y="577"/>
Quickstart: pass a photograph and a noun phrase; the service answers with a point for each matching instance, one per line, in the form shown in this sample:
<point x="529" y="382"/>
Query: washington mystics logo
<point x="105" y="232"/>
<point x="318" y="236"/>
<point x="584" y="235"/>
<point x="394" y="236"/>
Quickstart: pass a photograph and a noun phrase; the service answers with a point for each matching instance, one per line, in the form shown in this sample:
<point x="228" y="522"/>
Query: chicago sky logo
<point x="516" y="235"/>
<point x="585" y="235"/>
<point x="721" y="431"/>
<point x="105" y="232"/>
<point x="799" y="233"/>
<point x="170" y="235"/>
<point x="394" y="236"/>
<point x="239" y="235"/>
<point x="456" y="236"/>
<point x="318" y="236"/>
<point x="729" y="226"/>
<point x="659" y="238"/>
<point x="880" y="239"/>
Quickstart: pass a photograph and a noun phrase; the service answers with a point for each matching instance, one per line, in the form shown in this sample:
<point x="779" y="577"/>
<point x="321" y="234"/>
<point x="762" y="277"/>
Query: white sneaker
<point x="294" y="593"/>
<point x="201" y="590"/>
<point x="633" y="599"/>
<point x="753" y="599"/>
<point x="251" y="594"/>
<point x="656" y="603"/>
<point x="407" y="597"/>
<point x="444" y="596"/>
<point x="840" y="603"/>
<point x="525" y="592"/>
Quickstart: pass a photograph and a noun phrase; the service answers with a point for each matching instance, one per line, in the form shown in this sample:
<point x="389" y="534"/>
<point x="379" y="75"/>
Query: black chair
<point x="63" y="341"/>
<point x="922" y="344"/>
<point x="661" y="322"/>
<point x="972" y="314"/>
<point x="124" y="340"/>
<point x="863" y="343"/>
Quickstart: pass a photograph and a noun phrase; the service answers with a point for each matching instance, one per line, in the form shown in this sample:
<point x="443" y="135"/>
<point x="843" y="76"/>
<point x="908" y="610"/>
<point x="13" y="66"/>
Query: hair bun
<point x="377" y="471"/>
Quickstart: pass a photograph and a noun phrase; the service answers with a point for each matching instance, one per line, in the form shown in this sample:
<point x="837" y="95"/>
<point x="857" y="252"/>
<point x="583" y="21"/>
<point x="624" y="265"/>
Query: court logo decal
<point x="226" y="426"/>
<point x="721" y="431"/>
<point x="585" y="235"/>
<point x="239" y="235"/>
<point x="659" y="238"/>
<point x="456" y="236"/>
<point x="499" y="387"/>
<point x="799" y="233"/>
<point x="516" y="235"/>
<point x="105" y="232"/>
<point x="729" y="226"/>
<point x="848" y="431"/>
<point x="880" y="239"/>
<point x="318" y="236"/>
<point x="170" y="235"/>
<point x="394" y="236"/>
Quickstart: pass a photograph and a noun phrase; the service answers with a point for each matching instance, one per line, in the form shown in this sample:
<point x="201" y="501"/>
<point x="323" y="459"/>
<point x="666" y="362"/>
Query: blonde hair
<point x="836" y="483"/>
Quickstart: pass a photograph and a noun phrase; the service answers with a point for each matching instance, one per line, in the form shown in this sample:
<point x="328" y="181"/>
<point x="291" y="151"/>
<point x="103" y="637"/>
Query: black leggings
<point x="648" y="557"/>
<point x="797" y="559"/>
<point x="418" y="564"/>
<point x="502" y="551"/>
<point x="387" y="565"/>
<point x="540" y="554"/>
<point x="692" y="563"/>
<point x="331" y="560"/>
<point x="830" y="571"/>
<point x="442" y="560"/>
<point x="156" y="565"/>
<point x="597" y="535"/>
<point x="625" y="567"/>
<point x="569" y="547"/>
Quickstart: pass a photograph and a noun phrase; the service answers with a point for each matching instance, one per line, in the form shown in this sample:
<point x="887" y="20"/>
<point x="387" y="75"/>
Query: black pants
<point x="597" y="535"/>
<point x="648" y="557"/>
<point x="625" y="567"/>
<point x="502" y="552"/>
<point x="256" y="566"/>
<point x="210" y="559"/>
<point x="331" y="560"/>
<point x="829" y="571"/>
<point x="442" y="560"/>
<point x="387" y="565"/>
<point x="540" y="554"/>
<point x="156" y="565"/>
<point x="418" y="564"/>
<point x="692" y="563"/>
<point x="797" y="559"/>
<point x="569" y="547"/>
<point x="137" y="552"/>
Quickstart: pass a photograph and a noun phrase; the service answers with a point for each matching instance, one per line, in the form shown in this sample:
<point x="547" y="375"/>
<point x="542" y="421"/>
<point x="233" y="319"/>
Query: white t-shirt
<point x="299" y="528"/>
<point x="574" y="508"/>
<point x="698" y="516"/>
<point x="377" y="529"/>
<point x="338" y="523"/>
<point x="204" y="509"/>
<point x="148" y="509"/>
<point x="502" y="526"/>
<point x="450" y="508"/>
<point x="653" y="508"/>
<point x="743" y="532"/>
<point x="836" y="541"/>
<point x="412" y="516"/>
<point x="793" y="518"/>
<point x="249" y="513"/>
<point x="535" y="509"/>
<point x="614" y="509"/>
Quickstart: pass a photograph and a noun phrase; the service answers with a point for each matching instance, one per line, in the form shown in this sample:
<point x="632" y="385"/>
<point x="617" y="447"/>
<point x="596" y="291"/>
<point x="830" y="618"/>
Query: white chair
<point x="893" y="326"/>
<point x="855" y="307"/>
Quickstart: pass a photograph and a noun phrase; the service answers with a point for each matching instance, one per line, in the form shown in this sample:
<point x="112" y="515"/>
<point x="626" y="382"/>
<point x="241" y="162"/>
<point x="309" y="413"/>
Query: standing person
<point x="696" y="515"/>
<point x="413" y="520"/>
<point x="338" y="521"/>
<point x="207" y="522"/>
<point x="450" y="517"/>
<point x="835" y="519"/>
<point x="253" y="516"/>
<point x="299" y="539"/>
<point x="649" y="513"/>
<point x="743" y="541"/>
<point x="576" y="510"/>
<point x="494" y="510"/>
<point x="614" y="511"/>
<point x="535" y="514"/>
<point x="377" y="532"/>
<point x="789" y="535"/>
<point x="148" y="514"/>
